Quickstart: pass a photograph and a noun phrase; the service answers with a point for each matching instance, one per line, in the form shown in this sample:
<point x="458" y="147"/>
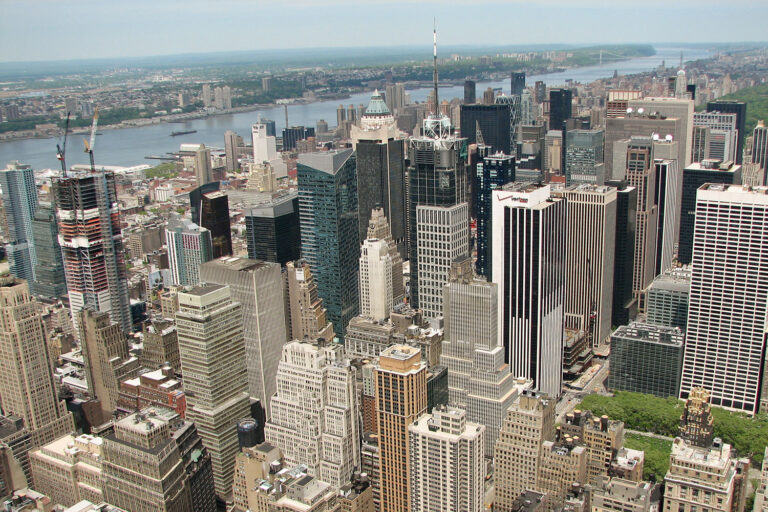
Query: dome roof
<point x="377" y="107"/>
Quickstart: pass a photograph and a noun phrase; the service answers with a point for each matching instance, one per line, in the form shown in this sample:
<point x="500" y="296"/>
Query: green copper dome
<point x="377" y="107"/>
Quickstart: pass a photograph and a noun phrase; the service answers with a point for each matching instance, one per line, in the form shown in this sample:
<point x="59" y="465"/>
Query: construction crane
<point x="61" y="150"/>
<point x="89" y="145"/>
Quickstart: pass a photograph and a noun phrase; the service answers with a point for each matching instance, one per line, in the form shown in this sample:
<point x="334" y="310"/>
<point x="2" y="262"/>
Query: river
<point x="129" y="146"/>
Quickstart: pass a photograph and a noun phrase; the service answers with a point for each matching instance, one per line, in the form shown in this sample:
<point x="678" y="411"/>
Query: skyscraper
<point x="212" y="350"/>
<point x="401" y="399"/>
<point x="315" y="411"/>
<point x="529" y="265"/>
<point x="470" y="92"/>
<point x="624" y="305"/>
<point x="493" y="122"/>
<point x="590" y="263"/>
<point x="214" y="216"/>
<point x="258" y="287"/>
<point x="760" y="145"/>
<point x="715" y="136"/>
<point x="560" y="107"/>
<point x="694" y="176"/>
<point x="188" y="247"/>
<point x="29" y="391"/>
<point x="584" y="157"/>
<point x="203" y="170"/>
<point x="92" y="244"/>
<point x="231" y="142"/>
<point x="518" y="82"/>
<point x="375" y="280"/>
<point x="447" y="463"/>
<point x="442" y="238"/>
<point x="740" y="109"/>
<point x="729" y="297"/>
<point x="380" y="155"/>
<point x="437" y="176"/>
<point x="329" y="230"/>
<point x="19" y="195"/>
<point x="667" y="197"/>
<point x="378" y="228"/>
<point x="49" y="271"/>
<point x="272" y="229"/>
<point x="491" y="172"/>
<point x="307" y="316"/>
<point x="529" y="422"/>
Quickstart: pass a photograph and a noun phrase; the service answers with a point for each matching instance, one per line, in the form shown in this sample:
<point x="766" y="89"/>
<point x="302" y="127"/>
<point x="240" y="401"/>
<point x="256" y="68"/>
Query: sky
<point x="35" y="30"/>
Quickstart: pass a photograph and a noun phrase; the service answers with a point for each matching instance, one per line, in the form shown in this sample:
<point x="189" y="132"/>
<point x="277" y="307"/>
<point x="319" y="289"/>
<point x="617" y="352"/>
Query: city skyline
<point x="169" y="30"/>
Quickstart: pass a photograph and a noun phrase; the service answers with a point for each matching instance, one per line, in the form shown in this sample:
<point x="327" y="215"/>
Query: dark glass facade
<point x="214" y="216"/>
<point x="693" y="178"/>
<point x="437" y="176"/>
<point x="294" y="134"/>
<point x="494" y="121"/>
<point x="624" y="306"/>
<point x="518" y="83"/>
<point x="328" y="214"/>
<point x="470" y="92"/>
<point x="272" y="231"/>
<point x="740" y="109"/>
<point x="196" y="198"/>
<point x="381" y="182"/>
<point x="49" y="272"/>
<point x="560" y="106"/>
<point x="491" y="172"/>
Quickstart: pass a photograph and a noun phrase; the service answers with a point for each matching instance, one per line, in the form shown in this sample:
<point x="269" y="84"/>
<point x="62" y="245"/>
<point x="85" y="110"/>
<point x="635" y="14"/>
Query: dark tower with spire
<point x="434" y="73"/>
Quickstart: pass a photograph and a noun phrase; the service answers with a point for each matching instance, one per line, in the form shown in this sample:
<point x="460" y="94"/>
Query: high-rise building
<point x="470" y="92"/>
<point x="624" y="305"/>
<point x="518" y="82"/>
<point x="49" y="271"/>
<point x="728" y="302"/>
<point x="760" y="145"/>
<point x="19" y="194"/>
<point x="694" y="176"/>
<point x="667" y="198"/>
<point x="563" y="465"/>
<point x="529" y="422"/>
<point x="106" y="358"/>
<point x="380" y="153"/>
<point x="493" y="121"/>
<point x="646" y="358"/>
<point x="212" y="350"/>
<point x="560" y="107"/>
<point x="693" y="469"/>
<point x="161" y="346"/>
<point x="92" y="244"/>
<point x="643" y="124"/>
<point x="437" y="176"/>
<point x="142" y="467"/>
<point x="447" y="463"/>
<point x="231" y="143"/>
<point x="375" y="280"/>
<point x="264" y="145"/>
<point x="203" y="168"/>
<point x="529" y="221"/>
<point x="492" y="171"/>
<point x="29" y="391"/>
<point x="442" y="237"/>
<point x="292" y="135"/>
<point x="306" y="315"/>
<point x="478" y="378"/>
<point x="315" y="411"/>
<point x="214" y="216"/>
<point x="378" y="228"/>
<point x="401" y="399"/>
<point x="667" y="299"/>
<point x="679" y="108"/>
<point x="272" y="229"/>
<point x="602" y="437"/>
<point x="740" y="109"/>
<point x="697" y="425"/>
<point x="329" y="230"/>
<point x="584" y="157"/>
<point x="552" y="157"/>
<point x="258" y="287"/>
<point x="189" y="246"/>
<point x="715" y="136"/>
<point x="590" y="263"/>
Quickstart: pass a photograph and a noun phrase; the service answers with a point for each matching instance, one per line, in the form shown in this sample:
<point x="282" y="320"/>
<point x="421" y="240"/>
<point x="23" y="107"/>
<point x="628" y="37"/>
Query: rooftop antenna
<point x="61" y="150"/>
<point x="434" y="75"/>
<point x="286" y="115"/>
<point x="681" y="59"/>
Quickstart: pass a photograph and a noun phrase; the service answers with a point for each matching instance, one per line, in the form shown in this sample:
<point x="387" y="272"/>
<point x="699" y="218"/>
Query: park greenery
<point x="164" y="170"/>
<point x="656" y="455"/>
<point x="756" y="99"/>
<point x="648" y="413"/>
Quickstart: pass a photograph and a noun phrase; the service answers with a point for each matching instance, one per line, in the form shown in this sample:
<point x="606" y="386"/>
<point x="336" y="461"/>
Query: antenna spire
<point x="434" y="75"/>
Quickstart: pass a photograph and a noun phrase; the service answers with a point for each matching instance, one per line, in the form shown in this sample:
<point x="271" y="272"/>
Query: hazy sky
<point x="77" y="29"/>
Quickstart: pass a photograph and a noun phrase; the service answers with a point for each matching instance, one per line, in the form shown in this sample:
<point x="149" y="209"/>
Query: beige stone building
<point x="761" y="495"/>
<point x="306" y="316"/>
<point x="161" y="346"/>
<point x="561" y="465"/>
<point x="530" y="421"/>
<point x="401" y="398"/>
<point x="618" y="495"/>
<point x="69" y="469"/>
<point x="601" y="436"/>
<point x="252" y="464"/>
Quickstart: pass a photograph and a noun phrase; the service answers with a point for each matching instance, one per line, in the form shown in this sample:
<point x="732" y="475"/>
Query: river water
<point x="129" y="146"/>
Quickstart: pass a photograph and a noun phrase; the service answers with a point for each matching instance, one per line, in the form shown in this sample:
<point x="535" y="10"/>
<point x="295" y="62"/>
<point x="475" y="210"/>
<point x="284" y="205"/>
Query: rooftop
<point x="326" y="161"/>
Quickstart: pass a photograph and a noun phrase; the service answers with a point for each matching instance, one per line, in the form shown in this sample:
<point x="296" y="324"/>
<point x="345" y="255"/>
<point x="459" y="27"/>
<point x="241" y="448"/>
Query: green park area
<point x="756" y="99"/>
<point x="164" y="170"/>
